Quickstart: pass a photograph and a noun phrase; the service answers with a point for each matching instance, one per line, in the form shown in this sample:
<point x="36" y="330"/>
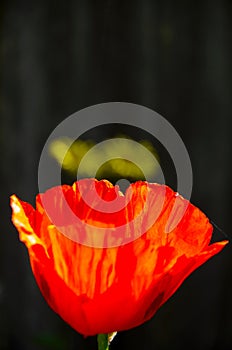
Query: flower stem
<point x="103" y="342"/>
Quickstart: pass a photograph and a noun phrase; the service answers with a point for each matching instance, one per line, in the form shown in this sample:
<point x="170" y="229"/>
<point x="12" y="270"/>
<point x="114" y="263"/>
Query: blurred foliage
<point x="50" y="341"/>
<point x="112" y="163"/>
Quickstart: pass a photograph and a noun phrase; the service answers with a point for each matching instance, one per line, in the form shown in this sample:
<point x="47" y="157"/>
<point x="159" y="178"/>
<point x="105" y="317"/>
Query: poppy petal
<point x="89" y="286"/>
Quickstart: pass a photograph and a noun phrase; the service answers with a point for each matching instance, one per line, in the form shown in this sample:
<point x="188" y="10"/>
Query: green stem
<point x="103" y="342"/>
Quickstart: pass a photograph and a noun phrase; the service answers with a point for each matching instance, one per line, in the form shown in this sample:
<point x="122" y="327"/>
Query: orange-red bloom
<point x="101" y="290"/>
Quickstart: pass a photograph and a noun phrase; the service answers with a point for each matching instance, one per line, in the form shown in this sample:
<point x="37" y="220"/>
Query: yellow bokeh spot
<point x="69" y="154"/>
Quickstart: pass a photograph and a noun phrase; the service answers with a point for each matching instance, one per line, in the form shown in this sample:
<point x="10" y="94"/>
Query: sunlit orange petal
<point x="101" y="290"/>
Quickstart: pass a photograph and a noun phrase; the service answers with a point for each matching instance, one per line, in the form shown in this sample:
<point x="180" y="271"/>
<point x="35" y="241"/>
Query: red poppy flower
<point x="106" y="289"/>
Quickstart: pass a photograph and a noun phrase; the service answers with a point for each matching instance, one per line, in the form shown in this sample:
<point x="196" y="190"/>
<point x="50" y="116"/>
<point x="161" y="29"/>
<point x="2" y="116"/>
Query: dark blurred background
<point x="174" y="57"/>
